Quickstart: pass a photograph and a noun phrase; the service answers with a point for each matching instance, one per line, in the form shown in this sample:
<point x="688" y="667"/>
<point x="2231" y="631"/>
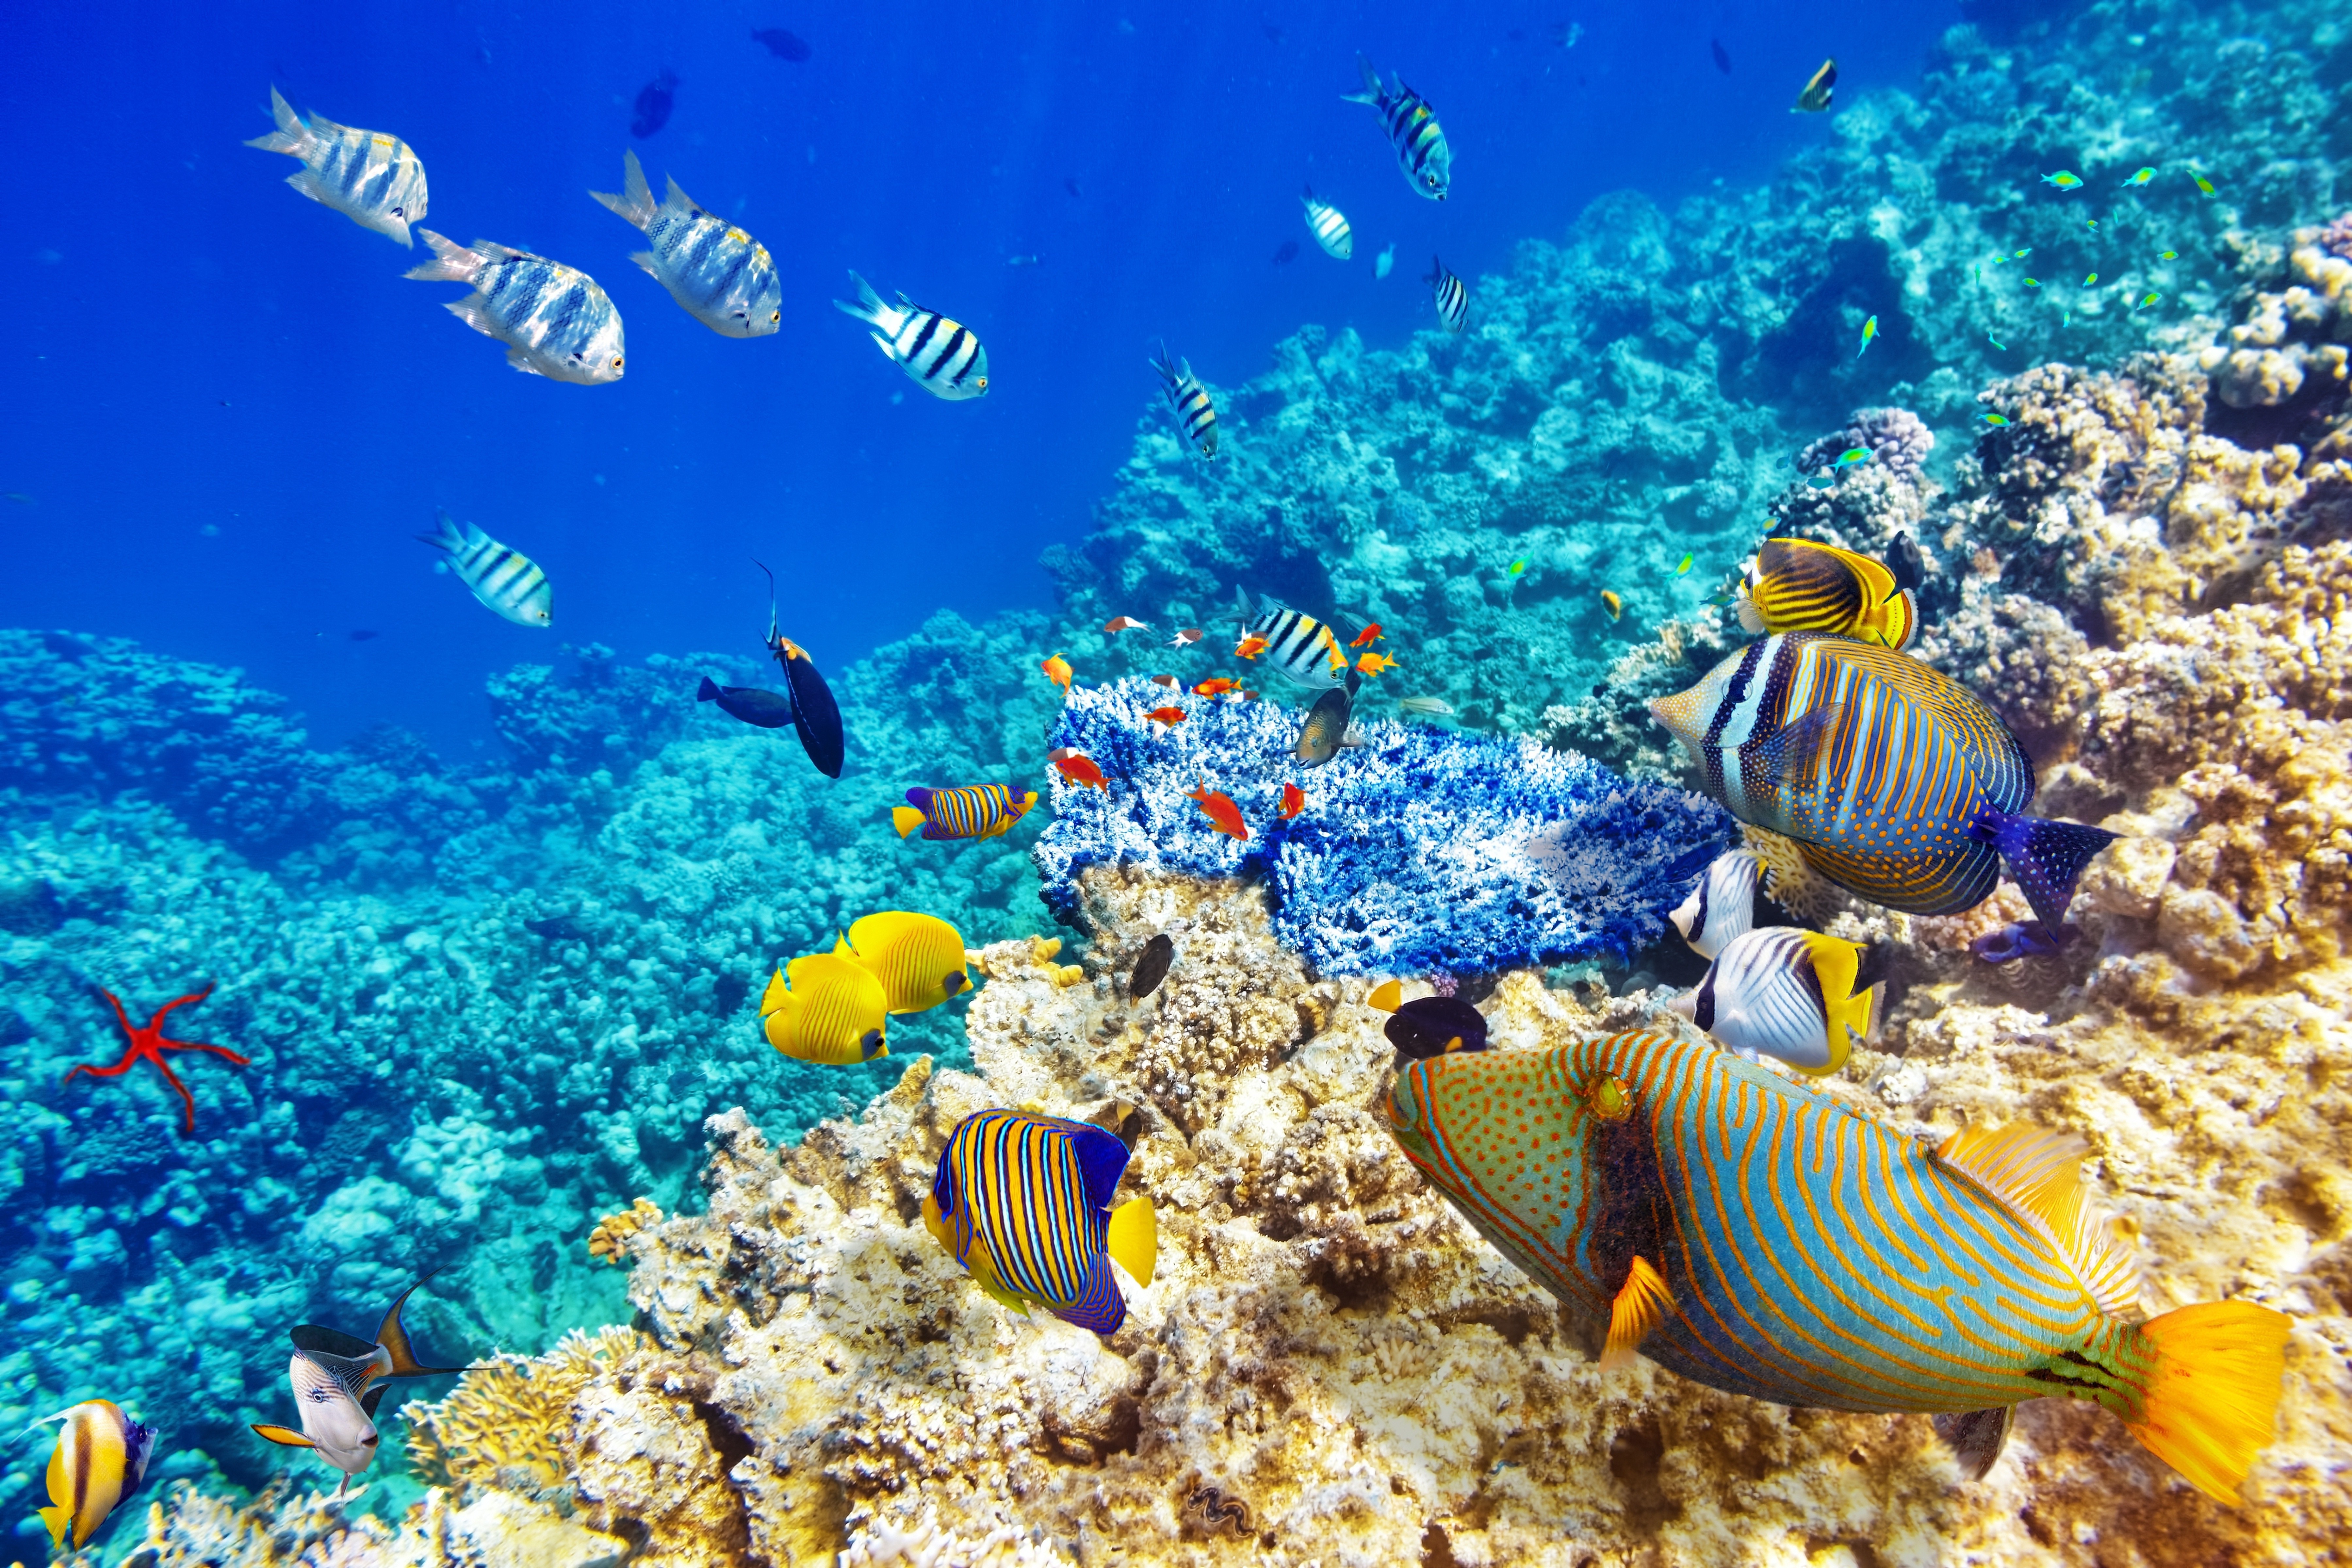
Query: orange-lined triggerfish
<point x="100" y="1459"/>
<point x="1761" y="1238"/>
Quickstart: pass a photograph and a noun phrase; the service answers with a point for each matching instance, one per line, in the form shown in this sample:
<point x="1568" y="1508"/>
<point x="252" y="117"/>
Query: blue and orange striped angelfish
<point x="100" y="1459"/>
<point x="1897" y="783"/>
<point x="975" y="811"/>
<point x="1759" y="1237"/>
<point x="1023" y="1203"/>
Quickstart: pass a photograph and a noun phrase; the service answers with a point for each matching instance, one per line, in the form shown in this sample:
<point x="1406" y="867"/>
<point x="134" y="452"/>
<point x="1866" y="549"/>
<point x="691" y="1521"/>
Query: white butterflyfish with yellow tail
<point x="376" y="180"/>
<point x="337" y="1382"/>
<point x="554" y="320"/>
<point x="100" y="1459"/>
<point x="1795" y="995"/>
<point x="724" y="277"/>
<point x="505" y="580"/>
<point x="1329" y="226"/>
<point x="942" y="355"/>
<point x="1722" y="906"/>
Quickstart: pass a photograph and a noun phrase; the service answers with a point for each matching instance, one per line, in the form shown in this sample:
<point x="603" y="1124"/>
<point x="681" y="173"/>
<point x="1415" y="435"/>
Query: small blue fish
<point x="2141" y="178"/>
<point x="1869" y="334"/>
<point x="2023" y="939"/>
<point x="2065" y="180"/>
<point x="2091" y="224"/>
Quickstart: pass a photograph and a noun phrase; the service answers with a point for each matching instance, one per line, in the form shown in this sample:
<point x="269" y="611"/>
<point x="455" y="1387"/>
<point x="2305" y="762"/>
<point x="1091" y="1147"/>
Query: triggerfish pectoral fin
<point x="2046" y="857"/>
<point x="285" y="1437"/>
<point x="1976" y="1438"/>
<point x="1134" y="1239"/>
<point x="1642" y="1304"/>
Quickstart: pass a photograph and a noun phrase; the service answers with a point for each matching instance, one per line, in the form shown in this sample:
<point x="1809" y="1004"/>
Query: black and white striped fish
<point x="944" y="356"/>
<point x="376" y="180"/>
<point x="1421" y="154"/>
<point x="723" y="277"/>
<point x="553" y="319"/>
<point x="1332" y="231"/>
<point x="505" y="580"/>
<point x="1452" y="299"/>
<point x="1722" y="906"/>
<point x="1302" y="650"/>
<point x="1796" y="995"/>
<point x="1188" y="401"/>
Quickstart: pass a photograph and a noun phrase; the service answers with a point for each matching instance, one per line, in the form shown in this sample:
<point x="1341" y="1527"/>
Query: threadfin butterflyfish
<point x="1795" y="995"/>
<point x="100" y="1459"/>
<point x="1722" y="903"/>
<point x="1796" y="584"/>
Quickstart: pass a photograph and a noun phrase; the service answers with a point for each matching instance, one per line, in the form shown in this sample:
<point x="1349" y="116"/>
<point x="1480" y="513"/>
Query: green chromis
<point x="2203" y="184"/>
<point x="1869" y="335"/>
<point x="1993" y="418"/>
<point x="2089" y="278"/>
<point x="2065" y="180"/>
<point x="2140" y="178"/>
<point x="1853" y="455"/>
<point x="1684" y="567"/>
<point x="2168" y="256"/>
<point x="2148" y="299"/>
<point x="1996" y="342"/>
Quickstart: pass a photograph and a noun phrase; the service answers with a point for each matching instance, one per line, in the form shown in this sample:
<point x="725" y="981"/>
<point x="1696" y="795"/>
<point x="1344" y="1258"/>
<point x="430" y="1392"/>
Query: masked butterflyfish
<point x="917" y="958"/>
<point x="338" y="1383"/>
<point x="826" y="1007"/>
<point x="100" y="1459"/>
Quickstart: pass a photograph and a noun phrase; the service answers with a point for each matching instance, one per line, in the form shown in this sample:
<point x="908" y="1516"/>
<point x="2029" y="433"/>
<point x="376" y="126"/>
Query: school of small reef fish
<point x="1656" y="1180"/>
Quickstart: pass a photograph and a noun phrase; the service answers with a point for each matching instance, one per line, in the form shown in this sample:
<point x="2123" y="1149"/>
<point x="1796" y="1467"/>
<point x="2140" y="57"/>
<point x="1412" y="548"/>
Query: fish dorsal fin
<point x="313" y="1341"/>
<point x="773" y="997"/>
<point x="315" y="1371"/>
<point x="871" y="935"/>
<point x="1102" y="1160"/>
<point x="400" y="1356"/>
<point x="2037" y="1175"/>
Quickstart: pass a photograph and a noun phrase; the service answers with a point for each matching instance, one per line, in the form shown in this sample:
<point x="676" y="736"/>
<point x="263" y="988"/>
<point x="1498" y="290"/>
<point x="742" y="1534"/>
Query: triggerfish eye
<point x="1612" y="1098"/>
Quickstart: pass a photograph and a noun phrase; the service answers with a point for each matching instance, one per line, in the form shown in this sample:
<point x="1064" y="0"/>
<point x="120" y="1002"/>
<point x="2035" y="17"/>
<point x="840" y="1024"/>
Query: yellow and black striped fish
<point x="100" y="1459"/>
<point x="1797" y="586"/>
<point x="553" y="319"/>
<point x="505" y="580"/>
<point x="943" y="356"/>
<point x="1795" y="995"/>
<point x="1758" y="1236"/>
<point x="1302" y="650"/>
<point x="723" y="277"/>
<point x="1023" y="1203"/>
<point x="1330" y="228"/>
<point x="975" y="811"/>
<point x="1897" y="783"/>
<point x="374" y="180"/>
<point x="1452" y="299"/>
<point x="919" y="958"/>
<point x="1421" y="154"/>
<point x="1188" y="401"/>
<point x="1815" y="99"/>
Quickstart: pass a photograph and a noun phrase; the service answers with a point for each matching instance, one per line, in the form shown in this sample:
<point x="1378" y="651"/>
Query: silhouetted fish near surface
<point x="1153" y="967"/>
<point x="1285" y="253"/>
<point x="751" y="704"/>
<point x="654" y="102"/>
<point x="784" y="45"/>
<point x="1722" y="60"/>
<point x="365" y="636"/>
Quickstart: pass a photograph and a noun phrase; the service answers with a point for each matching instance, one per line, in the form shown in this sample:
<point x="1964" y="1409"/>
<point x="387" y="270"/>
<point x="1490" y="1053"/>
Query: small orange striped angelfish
<point x="975" y="811"/>
<point x="1758" y="1236"/>
<point x="100" y="1459"/>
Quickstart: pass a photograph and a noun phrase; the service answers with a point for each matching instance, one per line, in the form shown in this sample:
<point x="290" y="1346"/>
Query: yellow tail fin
<point x="1641" y="1305"/>
<point x="906" y="819"/>
<point x="2210" y="1402"/>
<point x="1135" y="1238"/>
<point x="1387" y="996"/>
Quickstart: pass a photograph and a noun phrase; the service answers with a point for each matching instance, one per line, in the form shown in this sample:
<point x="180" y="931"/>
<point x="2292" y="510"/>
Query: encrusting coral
<point x="610" y="1239"/>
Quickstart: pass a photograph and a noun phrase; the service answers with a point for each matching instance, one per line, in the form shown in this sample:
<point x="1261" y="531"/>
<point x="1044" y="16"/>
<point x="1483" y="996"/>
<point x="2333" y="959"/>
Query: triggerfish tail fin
<point x="286" y="1436"/>
<point x="2046" y="857"/>
<point x="2209" y="1405"/>
<point x="392" y="1335"/>
<point x="1642" y="1304"/>
<point x="906" y="819"/>
<point x="1976" y="1438"/>
<point x="1134" y="1239"/>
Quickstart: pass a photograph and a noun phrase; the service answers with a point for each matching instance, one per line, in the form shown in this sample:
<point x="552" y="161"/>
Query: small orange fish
<point x="1170" y="715"/>
<point x="1167" y="681"/>
<point x="1293" y="801"/>
<point x="1216" y="686"/>
<point x="1374" y="663"/>
<point x="1249" y="647"/>
<point x="1185" y="637"/>
<point x="1077" y="767"/>
<point x="1222" y="812"/>
<point x="1369" y="636"/>
<point x="1126" y="624"/>
<point x="1058" y="670"/>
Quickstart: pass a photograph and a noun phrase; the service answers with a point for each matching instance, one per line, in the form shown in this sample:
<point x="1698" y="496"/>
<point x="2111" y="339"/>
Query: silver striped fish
<point x="944" y="356"/>
<point x="1332" y="231"/>
<point x="1188" y="401"/>
<point x="505" y="580"/>
<point x="553" y="319"/>
<point x="1452" y="299"/>
<point x="1421" y="154"/>
<point x="723" y="277"/>
<point x="1723" y="904"/>
<point x="1794" y="994"/>
<point x="374" y="180"/>
<point x="1302" y="650"/>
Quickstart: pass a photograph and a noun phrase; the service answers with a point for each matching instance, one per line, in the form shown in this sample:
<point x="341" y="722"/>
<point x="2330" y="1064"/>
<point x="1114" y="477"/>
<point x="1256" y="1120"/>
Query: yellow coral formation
<point x="610" y="1239"/>
<point x="507" y="1424"/>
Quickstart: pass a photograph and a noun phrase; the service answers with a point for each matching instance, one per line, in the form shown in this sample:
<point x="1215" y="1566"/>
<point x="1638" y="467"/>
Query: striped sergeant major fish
<point x="723" y="277"/>
<point x="506" y="581"/>
<point x="1898" y="782"/>
<point x="944" y="356"/>
<point x="553" y="319"/>
<point x="1302" y="650"/>
<point x="1797" y="586"/>
<point x="1452" y="299"/>
<point x="1421" y="154"/>
<point x="100" y="1459"/>
<point x="1753" y="1235"/>
<point x="1332" y="231"/>
<point x="1188" y="401"/>
<point x="975" y="811"/>
<point x="336" y="1379"/>
<point x="1795" y="995"/>
<point x="374" y="180"/>
<point x="1023" y="1203"/>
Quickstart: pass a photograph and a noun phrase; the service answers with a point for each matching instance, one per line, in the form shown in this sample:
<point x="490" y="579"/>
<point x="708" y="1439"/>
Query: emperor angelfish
<point x="100" y="1460"/>
<point x="1796" y="995"/>
<point x="1302" y="650"/>
<point x="337" y="1387"/>
<point x="1755" y="1235"/>
<point x="1188" y="401"/>
<point x="1722" y="905"/>
<point x="376" y="180"/>
<point x="1798" y="586"/>
<point x="1452" y="299"/>
<point x="723" y="277"/>
<point x="506" y="581"/>
<point x="1421" y="154"/>
<point x="553" y="319"/>
<point x="944" y="356"/>
<point x="1898" y="782"/>
<point x="1330" y="226"/>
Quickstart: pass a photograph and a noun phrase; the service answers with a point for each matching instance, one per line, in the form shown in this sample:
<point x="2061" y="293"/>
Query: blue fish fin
<point x="1101" y="1306"/>
<point x="1791" y="753"/>
<point x="1102" y="1160"/>
<point x="2046" y="857"/>
<point x="710" y="692"/>
<point x="1371" y="93"/>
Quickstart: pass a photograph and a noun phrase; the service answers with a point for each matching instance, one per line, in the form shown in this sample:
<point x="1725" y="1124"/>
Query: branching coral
<point x="509" y="1422"/>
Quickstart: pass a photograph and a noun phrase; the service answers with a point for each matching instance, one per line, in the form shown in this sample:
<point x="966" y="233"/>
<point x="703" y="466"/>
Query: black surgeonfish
<point x="815" y="714"/>
<point x="1153" y="967"/>
<point x="751" y="704"/>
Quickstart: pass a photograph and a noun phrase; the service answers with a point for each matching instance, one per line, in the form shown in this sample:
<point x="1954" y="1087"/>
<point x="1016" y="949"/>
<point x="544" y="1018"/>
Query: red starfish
<point x="150" y="1044"/>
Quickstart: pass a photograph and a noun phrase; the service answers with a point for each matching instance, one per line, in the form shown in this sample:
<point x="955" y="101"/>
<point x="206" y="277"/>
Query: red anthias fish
<point x="1170" y="715"/>
<point x="1369" y="636"/>
<point x="1078" y="768"/>
<point x="1216" y="686"/>
<point x="1222" y="812"/>
<point x="1293" y="801"/>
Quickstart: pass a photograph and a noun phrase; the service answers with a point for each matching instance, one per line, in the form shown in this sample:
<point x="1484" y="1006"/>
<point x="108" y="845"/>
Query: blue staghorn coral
<point x="1419" y="849"/>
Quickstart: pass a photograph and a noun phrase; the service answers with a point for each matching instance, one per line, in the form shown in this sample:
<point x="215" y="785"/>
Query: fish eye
<point x="775" y="315"/>
<point x="982" y="383"/>
<point x="397" y="213"/>
<point x="616" y="362"/>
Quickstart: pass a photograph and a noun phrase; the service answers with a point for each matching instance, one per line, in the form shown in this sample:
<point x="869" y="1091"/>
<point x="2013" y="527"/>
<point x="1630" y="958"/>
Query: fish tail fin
<point x="709" y="692"/>
<point x="906" y="819"/>
<point x="1371" y="93"/>
<point x="636" y="201"/>
<point x="291" y="138"/>
<point x="1134" y="1239"/>
<point x="870" y="308"/>
<point x="451" y="263"/>
<point x="447" y="536"/>
<point x="392" y="1335"/>
<point x="2209" y="1404"/>
<point x="773" y="997"/>
<point x="1436" y="270"/>
<point x="2046" y="857"/>
<point x="1387" y="996"/>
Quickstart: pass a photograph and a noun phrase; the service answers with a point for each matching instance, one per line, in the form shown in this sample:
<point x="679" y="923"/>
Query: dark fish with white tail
<point x="506" y="580"/>
<point x="554" y="320"/>
<point x="724" y="277"/>
<point x="943" y="356"/>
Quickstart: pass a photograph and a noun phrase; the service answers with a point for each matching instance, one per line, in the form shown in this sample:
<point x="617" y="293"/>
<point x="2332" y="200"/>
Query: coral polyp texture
<point x="1418" y="849"/>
